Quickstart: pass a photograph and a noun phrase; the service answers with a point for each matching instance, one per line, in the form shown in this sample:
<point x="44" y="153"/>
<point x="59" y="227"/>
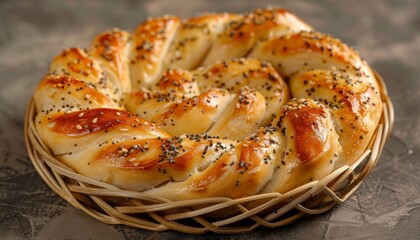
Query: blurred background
<point x="385" y="32"/>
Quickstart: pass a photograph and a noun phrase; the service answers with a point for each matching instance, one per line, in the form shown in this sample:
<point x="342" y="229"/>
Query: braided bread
<point x="216" y="105"/>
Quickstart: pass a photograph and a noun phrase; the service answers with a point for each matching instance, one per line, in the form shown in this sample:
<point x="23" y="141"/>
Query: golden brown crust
<point x="237" y="73"/>
<point x="179" y="81"/>
<point x="305" y="51"/>
<point x="256" y="25"/>
<point x="67" y="94"/>
<point x="243" y="116"/>
<point x="110" y="49"/>
<point x="241" y="34"/>
<point x="181" y="118"/>
<point x="240" y="170"/>
<point x="309" y="136"/>
<point x="77" y="124"/>
<point x="144" y="162"/>
<point x="227" y="128"/>
<point x="149" y="103"/>
<point x="75" y="62"/>
<point x="309" y="146"/>
<point x="355" y="106"/>
<point x="197" y="33"/>
<point x="151" y="41"/>
<point x="69" y="132"/>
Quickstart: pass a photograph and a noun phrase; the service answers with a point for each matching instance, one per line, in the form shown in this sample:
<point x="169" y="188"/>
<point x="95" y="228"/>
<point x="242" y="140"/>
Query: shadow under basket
<point x="112" y="205"/>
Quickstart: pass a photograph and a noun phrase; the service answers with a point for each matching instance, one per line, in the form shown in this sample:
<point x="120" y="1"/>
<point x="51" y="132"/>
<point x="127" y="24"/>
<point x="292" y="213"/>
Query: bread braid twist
<point x="199" y="108"/>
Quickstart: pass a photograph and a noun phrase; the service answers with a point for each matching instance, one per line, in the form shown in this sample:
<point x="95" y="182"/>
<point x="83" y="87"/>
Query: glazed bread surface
<point x="227" y="105"/>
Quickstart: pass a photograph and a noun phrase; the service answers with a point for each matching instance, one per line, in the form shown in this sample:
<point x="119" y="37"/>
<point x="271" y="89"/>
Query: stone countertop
<point x="386" y="33"/>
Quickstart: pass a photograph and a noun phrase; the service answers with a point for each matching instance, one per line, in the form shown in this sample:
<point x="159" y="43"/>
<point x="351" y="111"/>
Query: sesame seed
<point x="95" y="120"/>
<point x="81" y="114"/>
<point x="79" y="127"/>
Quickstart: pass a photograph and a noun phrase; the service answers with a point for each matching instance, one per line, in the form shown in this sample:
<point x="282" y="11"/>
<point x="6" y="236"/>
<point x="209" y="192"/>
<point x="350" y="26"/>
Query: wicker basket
<point x="112" y="205"/>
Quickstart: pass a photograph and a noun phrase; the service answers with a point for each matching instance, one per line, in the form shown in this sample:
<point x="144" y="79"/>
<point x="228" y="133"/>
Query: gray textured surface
<point x="386" y="33"/>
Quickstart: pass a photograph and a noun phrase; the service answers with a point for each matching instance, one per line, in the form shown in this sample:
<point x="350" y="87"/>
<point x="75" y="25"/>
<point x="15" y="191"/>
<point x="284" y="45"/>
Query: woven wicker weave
<point x="112" y="205"/>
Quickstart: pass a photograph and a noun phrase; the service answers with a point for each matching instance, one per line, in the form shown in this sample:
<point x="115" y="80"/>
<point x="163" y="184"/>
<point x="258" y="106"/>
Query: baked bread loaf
<point x="225" y="105"/>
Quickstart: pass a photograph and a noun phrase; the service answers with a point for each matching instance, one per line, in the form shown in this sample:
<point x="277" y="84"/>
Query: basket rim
<point x="151" y="213"/>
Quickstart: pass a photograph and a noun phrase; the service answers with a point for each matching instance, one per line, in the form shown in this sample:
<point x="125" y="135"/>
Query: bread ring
<point x="202" y="107"/>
